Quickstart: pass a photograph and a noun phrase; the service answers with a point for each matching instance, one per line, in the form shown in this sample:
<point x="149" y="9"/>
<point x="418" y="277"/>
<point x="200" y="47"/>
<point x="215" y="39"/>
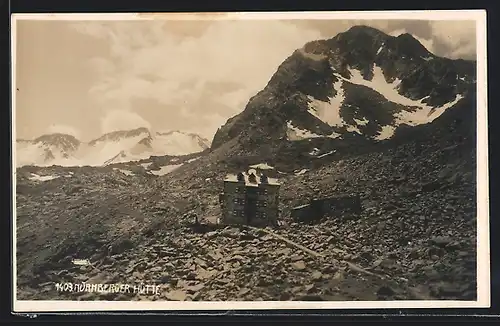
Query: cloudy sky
<point x="87" y="78"/>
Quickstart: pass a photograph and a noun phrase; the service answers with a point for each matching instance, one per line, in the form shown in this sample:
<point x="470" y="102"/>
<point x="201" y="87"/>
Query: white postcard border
<point x="483" y="258"/>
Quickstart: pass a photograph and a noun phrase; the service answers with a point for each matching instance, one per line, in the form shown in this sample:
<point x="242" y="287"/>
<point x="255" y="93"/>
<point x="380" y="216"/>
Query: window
<point x="239" y="201"/>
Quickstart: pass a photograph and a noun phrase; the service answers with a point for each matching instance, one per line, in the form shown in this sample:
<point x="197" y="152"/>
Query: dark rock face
<point x="146" y="141"/>
<point x="67" y="143"/>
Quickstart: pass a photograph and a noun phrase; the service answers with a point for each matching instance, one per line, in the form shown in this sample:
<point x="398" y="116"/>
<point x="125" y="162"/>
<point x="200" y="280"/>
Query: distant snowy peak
<point x="121" y="134"/>
<point x="65" y="142"/>
<point x="180" y="143"/>
<point x="46" y="148"/>
<point x="203" y="143"/>
<point x="113" y="147"/>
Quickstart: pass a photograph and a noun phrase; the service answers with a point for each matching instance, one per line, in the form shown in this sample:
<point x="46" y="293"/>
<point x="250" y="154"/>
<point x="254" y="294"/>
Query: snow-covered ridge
<point x="116" y="147"/>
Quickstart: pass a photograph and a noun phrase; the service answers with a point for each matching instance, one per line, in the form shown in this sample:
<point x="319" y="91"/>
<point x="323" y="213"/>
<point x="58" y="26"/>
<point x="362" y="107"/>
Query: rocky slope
<point x="414" y="239"/>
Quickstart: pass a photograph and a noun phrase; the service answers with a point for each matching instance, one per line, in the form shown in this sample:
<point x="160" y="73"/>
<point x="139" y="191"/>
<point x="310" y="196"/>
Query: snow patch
<point x="262" y="166"/>
<point x="427" y="58"/>
<point x="166" y="169"/>
<point x="386" y="133"/>
<point x="294" y="133"/>
<point x="192" y="160"/>
<point x="354" y="129"/>
<point x="380" y="49"/>
<point x="326" y="154"/>
<point x="314" y="152"/>
<point x="36" y="177"/>
<point x="81" y="262"/>
<point x="381" y="86"/>
<point x="329" y="112"/>
<point x="361" y="122"/>
<point x="389" y="91"/>
<point x="301" y="172"/>
<point x="418" y="113"/>
<point x="424" y="115"/>
<point x="146" y="165"/>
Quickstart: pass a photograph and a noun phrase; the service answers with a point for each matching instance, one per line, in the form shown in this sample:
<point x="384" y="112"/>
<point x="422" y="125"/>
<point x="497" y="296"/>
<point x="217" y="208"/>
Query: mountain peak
<point x="409" y="45"/>
<point x="52" y="136"/>
<point x="65" y="141"/>
<point x="119" y="134"/>
<point x="364" y="29"/>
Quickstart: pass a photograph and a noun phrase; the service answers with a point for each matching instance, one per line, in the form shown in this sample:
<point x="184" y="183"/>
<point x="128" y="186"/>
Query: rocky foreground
<point x="415" y="238"/>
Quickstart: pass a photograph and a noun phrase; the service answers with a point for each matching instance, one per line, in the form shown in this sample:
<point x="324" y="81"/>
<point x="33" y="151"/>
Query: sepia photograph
<point x="205" y="161"/>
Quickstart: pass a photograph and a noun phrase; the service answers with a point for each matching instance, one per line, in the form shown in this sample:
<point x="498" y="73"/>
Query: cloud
<point x="200" y="73"/>
<point x="122" y="120"/>
<point x="154" y="61"/>
<point x="63" y="129"/>
<point x="456" y="38"/>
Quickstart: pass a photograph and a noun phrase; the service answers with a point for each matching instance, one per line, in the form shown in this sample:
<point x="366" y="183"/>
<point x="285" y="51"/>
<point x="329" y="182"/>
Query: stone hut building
<point x="250" y="199"/>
